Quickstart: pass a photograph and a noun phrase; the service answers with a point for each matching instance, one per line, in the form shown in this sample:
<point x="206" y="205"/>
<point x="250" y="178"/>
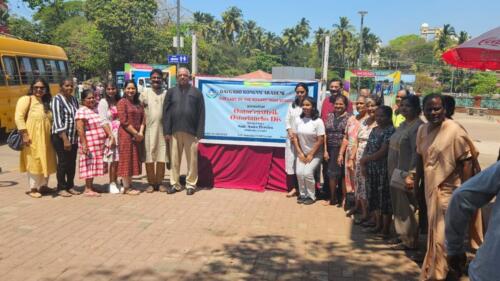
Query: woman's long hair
<point x="109" y="99"/>
<point x="47" y="97"/>
<point x="314" y="110"/>
<point x="297" y="102"/>
<point x="136" y="96"/>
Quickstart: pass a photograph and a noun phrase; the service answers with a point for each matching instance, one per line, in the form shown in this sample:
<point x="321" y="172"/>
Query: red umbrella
<point x="482" y="52"/>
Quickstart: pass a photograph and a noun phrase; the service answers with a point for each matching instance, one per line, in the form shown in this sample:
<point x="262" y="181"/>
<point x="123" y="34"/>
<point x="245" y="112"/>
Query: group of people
<point x="394" y="167"/>
<point x="385" y="166"/>
<point x="116" y="134"/>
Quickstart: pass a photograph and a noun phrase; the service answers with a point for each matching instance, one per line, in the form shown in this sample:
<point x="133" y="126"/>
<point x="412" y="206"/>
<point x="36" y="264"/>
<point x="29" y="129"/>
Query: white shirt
<point x="307" y="131"/>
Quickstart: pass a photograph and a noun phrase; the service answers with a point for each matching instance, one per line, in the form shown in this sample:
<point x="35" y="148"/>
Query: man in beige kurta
<point x="154" y="142"/>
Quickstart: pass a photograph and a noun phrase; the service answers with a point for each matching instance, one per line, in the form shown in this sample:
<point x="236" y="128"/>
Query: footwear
<point x="292" y="193"/>
<point x="34" y="193"/>
<point x="150" y="189"/>
<point x="358" y="221"/>
<point x="162" y="188"/>
<point x="190" y="191"/>
<point x="45" y="190"/>
<point x="64" y="193"/>
<point x="114" y="188"/>
<point x="91" y="194"/>
<point x="131" y="192"/>
<point x="171" y="190"/>
<point x="309" y="201"/>
<point x="402" y="247"/>
<point x="300" y="200"/>
<point x="351" y="212"/>
<point x="73" y="191"/>
<point x="394" y="241"/>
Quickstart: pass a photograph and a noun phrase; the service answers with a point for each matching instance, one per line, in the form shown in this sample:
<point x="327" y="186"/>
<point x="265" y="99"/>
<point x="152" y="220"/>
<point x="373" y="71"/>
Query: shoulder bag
<point x="15" y="139"/>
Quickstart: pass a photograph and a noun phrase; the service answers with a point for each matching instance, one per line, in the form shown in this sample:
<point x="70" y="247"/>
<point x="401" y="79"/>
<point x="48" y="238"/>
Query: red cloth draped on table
<point x="241" y="167"/>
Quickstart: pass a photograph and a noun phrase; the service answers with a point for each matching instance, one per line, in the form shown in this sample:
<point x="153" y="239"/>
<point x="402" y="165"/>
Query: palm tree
<point x="231" y="23"/>
<point x="444" y="37"/>
<point x="343" y="34"/>
<point x="205" y="25"/>
<point x="462" y="37"/>
<point x="249" y="36"/>
<point x="270" y="42"/>
<point x="319" y="38"/>
<point x="291" y="38"/>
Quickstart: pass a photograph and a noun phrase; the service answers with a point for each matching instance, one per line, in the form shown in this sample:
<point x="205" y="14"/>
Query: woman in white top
<point x="109" y="118"/>
<point x="309" y="132"/>
<point x="294" y="111"/>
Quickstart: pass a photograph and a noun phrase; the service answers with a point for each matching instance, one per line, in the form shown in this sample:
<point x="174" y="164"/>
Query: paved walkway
<point x="216" y="234"/>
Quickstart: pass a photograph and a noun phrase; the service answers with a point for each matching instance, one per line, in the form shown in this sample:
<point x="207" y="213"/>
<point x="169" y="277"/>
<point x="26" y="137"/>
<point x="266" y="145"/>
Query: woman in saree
<point x="444" y="160"/>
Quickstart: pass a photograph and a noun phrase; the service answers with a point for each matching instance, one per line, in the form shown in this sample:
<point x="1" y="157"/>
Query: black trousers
<point x="66" y="163"/>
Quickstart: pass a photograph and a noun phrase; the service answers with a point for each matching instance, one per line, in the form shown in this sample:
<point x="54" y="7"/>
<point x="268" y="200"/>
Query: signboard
<point x="178" y="59"/>
<point x="248" y="112"/>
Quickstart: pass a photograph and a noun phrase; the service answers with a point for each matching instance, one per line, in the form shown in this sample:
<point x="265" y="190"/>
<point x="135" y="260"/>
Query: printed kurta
<point x="109" y="116"/>
<point x="351" y="131"/>
<point x="363" y="133"/>
<point x="129" y="114"/>
<point x="91" y="164"/>
<point x="39" y="157"/>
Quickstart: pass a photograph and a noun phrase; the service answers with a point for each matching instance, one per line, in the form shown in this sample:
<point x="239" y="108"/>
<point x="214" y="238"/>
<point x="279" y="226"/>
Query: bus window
<point x="56" y="74"/>
<point x="2" y="75"/>
<point x="63" y="68"/>
<point x="41" y="69"/>
<point x="25" y="69"/>
<point x="49" y="71"/>
<point x="11" y="70"/>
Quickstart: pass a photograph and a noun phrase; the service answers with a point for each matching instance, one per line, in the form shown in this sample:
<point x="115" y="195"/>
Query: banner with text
<point x="248" y="112"/>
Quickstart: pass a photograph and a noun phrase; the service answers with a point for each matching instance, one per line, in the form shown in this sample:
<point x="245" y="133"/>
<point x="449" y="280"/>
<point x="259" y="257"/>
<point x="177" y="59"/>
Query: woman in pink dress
<point x="91" y="138"/>
<point x="349" y="146"/>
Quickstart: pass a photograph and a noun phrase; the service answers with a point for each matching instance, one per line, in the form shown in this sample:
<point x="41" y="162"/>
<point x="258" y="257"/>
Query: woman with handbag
<point x="446" y="157"/>
<point x="401" y="162"/>
<point x="34" y="120"/>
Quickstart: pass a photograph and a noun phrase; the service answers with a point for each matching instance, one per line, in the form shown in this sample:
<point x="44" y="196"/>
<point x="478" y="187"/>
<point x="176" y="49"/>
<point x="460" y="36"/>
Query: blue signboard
<point x="173" y="59"/>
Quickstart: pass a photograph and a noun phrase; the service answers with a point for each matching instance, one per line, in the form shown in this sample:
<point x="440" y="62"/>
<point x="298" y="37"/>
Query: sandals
<point x="34" y="193"/>
<point x="292" y="193"/>
<point x="91" y="193"/>
<point x="131" y="192"/>
<point x="150" y="189"/>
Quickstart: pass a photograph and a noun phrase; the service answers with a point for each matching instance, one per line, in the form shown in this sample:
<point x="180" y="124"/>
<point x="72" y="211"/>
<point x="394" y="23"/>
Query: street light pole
<point x="178" y="34"/>
<point x="362" y="13"/>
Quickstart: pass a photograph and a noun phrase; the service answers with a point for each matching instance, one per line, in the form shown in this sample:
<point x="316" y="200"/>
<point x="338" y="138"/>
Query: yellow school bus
<point x="21" y="62"/>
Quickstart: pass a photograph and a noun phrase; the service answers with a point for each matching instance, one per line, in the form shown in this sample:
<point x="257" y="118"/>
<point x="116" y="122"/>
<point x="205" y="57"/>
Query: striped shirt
<point x="63" y="111"/>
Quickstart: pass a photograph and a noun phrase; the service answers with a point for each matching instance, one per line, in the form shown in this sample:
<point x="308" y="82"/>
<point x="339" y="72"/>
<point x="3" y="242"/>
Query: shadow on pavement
<point x="266" y="257"/>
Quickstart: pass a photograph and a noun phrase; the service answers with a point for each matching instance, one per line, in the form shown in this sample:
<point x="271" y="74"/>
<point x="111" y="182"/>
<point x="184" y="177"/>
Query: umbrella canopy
<point x="482" y="52"/>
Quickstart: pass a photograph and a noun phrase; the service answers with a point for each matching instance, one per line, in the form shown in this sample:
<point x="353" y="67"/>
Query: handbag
<point x="398" y="179"/>
<point x="15" y="139"/>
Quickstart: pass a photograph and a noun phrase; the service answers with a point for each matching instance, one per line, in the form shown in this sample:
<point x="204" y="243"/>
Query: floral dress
<point x="335" y="127"/>
<point x="364" y="131"/>
<point x="109" y="116"/>
<point x="91" y="164"/>
<point x="377" y="179"/>
<point x="351" y="131"/>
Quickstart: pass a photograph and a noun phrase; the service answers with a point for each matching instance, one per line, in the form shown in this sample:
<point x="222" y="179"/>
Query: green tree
<point x="231" y="23"/>
<point x="343" y="34"/>
<point x="85" y="46"/>
<point x="484" y="83"/>
<point x="128" y="26"/>
<point x="462" y="37"/>
<point x="26" y="30"/>
<point x="444" y="40"/>
<point x="424" y="84"/>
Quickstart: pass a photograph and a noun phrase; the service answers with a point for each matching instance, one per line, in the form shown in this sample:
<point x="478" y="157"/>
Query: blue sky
<point x="386" y="18"/>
